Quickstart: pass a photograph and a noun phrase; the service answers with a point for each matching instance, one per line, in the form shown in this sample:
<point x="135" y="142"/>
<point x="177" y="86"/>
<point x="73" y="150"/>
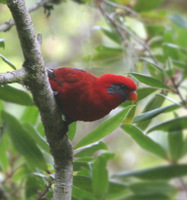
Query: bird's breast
<point x="86" y="106"/>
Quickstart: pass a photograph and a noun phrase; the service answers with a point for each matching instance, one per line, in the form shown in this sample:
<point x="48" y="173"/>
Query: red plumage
<point x="83" y="96"/>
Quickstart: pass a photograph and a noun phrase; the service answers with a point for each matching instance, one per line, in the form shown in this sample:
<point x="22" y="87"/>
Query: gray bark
<point x="34" y="76"/>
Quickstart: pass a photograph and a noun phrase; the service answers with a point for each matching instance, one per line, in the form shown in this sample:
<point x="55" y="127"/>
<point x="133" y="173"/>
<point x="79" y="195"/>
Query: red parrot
<point x="85" y="97"/>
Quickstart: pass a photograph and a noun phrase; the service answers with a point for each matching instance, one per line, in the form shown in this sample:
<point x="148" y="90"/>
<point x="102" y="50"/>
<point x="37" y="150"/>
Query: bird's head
<point x="121" y="86"/>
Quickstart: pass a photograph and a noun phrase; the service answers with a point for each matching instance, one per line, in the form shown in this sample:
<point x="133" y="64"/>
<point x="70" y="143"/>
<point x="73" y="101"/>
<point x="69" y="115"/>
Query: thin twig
<point x="145" y="46"/>
<point x="7" y="25"/>
<point x="178" y="92"/>
<point x="121" y="28"/>
<point x="110" y="20"/>
<point x="38" y="5"/>
<point x="127" y="9"/>
<point x="184" y="186"/>
<point x="40" y="197"/>
<point x="13" y="169"/>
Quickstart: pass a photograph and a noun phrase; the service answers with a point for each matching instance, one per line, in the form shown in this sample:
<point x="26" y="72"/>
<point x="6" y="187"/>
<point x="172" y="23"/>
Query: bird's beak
<point x="133" y="96"/>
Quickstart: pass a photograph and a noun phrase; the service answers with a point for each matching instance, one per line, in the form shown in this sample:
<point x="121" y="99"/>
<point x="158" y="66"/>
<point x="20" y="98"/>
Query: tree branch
<point x="45" y="191"/>
<point x="177" y="91"/>
<point x="16" y="76"/>
<point x="38" y="83"/>
<point x="8" y="25"/>
<point x="127" y="9"/>
<point x="121" y="29"/>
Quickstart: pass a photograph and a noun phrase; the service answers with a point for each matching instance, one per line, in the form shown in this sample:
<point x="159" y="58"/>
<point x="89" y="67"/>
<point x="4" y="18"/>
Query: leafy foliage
<point x="153" y="43"/>
<point x="104" y="129"/>
<point x="13" y="95"/>
<point x="5" y="59"/>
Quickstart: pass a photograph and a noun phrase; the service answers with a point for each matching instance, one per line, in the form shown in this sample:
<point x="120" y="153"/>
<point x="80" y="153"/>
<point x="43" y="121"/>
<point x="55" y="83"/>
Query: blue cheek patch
<point x="117" y="89"/>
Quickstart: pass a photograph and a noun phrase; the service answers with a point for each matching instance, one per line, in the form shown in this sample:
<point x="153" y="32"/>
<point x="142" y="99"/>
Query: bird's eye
<point x="123" y="86"/>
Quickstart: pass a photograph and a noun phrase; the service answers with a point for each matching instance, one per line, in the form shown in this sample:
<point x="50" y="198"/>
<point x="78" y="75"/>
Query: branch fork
<point x="33" y="74"/>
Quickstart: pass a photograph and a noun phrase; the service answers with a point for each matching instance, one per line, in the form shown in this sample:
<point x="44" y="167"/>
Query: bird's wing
<point x="69" y="75"/>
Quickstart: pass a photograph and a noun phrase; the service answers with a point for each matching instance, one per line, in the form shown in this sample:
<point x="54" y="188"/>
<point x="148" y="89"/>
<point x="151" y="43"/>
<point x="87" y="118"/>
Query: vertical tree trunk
<point x="37" y="81"/>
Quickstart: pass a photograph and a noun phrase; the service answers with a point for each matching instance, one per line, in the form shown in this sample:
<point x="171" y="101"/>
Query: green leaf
<point x="155" y="102"/>
<point x="174" y="46"/>
<point x="153" y="30"/>
<point x="4" y="160"/>
<point x="180" y="64"/>
<point x="100" y="175"/>
<point x="144" y="141"/>
<point x="2" y="43"/>
<point x="144" y="5"/>
<point x="170" y="68"/>
<point x="78" y="194"/>
<point x="49" y="194"/>
<point x="144" y="92"/>
<point x="7" y="62"/>
<point x="85" y="171"/>
<point x="125" y="104"/>
<point x="104" y="129"/>
<point x="13" y="95"/>
<point x="112" y="35"/>
<point x="147" y="197"/>
<point x="105" y="54"/>
<point x="148" y="80"/>
<point x="175" y="140"/>
<point x="36" y="183"/>
<point x="179" y="20"/>
<point x="171" y="125"/>
<point x="153" y="113"/>
<point x="32" y="132"/>
<point x="155" y="21"/>
<point x="169" y="99"/>
<point x="40" y="129"/>
<point x="41" y="175"/>
<point x="184" y="147"/>
<point x="1" y="109"/>
<point x="30" y="114"/>
<point x="153" y="187"/>
<point x="3" y="1"/>
<point x="108" y="50"/>
<point x="168" y="37"/>
<point x="130" y="115"/>
<point x="157" y="66"/>
<point x="24" y="144"/>
<point x="157" y="173"/>
<point x="89" y="151"/>
<point x="154" y="73"/>
<point x="21" y="172"/>
<point x="117" y="190"/>
<point x="78" y="165"/>
<point x="72" y="130"/>
<point x="85" y="159"/>
<point x="83" y="182"/>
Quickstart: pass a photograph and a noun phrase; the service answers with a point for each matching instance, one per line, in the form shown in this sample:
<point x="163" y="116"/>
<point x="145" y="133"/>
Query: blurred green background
<point x="73" y="35"/>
